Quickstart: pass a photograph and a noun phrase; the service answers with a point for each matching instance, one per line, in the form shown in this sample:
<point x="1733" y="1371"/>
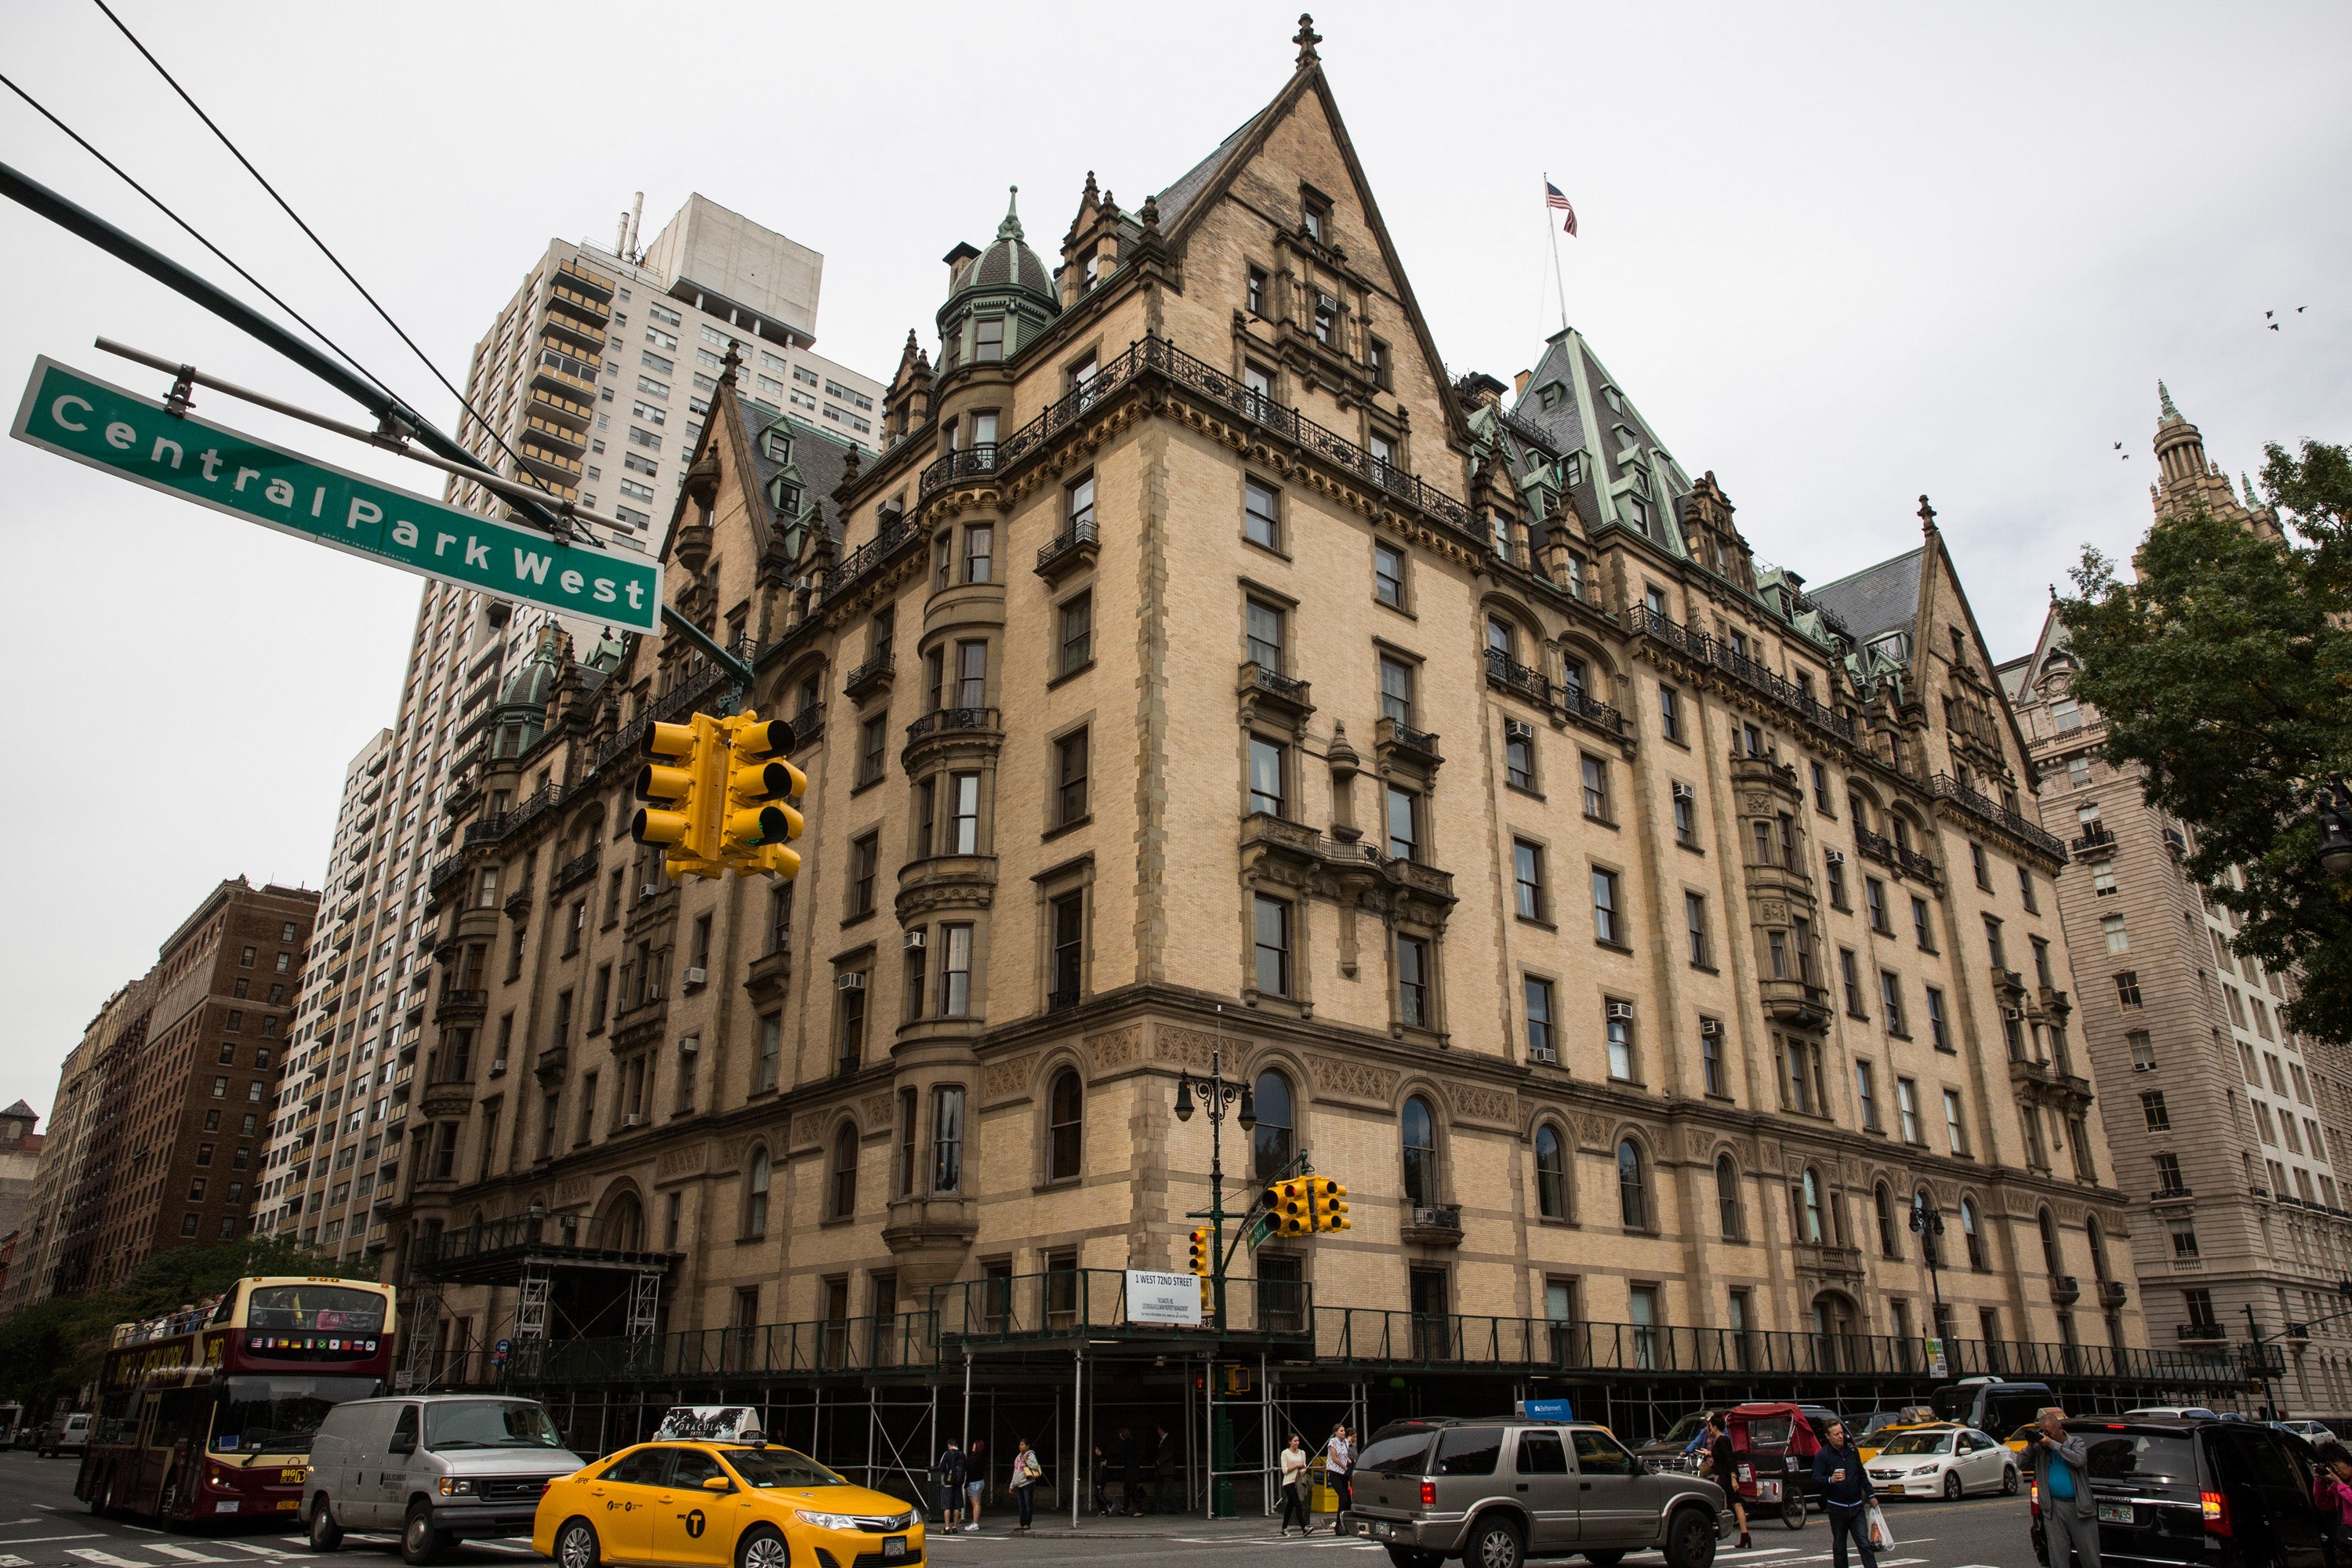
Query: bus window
<point x="315" y="1309"/>
<point x="268" y="1414"/>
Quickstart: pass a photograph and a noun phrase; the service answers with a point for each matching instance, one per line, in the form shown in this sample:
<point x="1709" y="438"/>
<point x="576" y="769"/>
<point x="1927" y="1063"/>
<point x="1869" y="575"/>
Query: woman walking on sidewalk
<point x="1293" y="1487"/>
<point x="1026" y="1471"/>
<point x="975" y="1483"/>
<point x="1339" y="1454"/>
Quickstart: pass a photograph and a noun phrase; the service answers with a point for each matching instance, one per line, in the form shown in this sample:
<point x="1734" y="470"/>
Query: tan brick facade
<point x="1324" y="707"/>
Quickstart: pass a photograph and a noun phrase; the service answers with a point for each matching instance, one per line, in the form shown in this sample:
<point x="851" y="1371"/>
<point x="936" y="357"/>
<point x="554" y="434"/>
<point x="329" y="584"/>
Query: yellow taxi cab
<point x="2022" y="1438"/>
<point x="732" y="1504"/>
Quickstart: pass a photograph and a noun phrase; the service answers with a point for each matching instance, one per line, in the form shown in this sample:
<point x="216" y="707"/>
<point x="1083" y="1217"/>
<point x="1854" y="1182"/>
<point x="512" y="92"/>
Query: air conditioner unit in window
<point x="1710" y="1029"/>
<point x="1685" y="792"/>
<point x="1621" y="1009"/>
<point x="689" y="1046"/>
<point x="853" y="981"/>
<point x="914" y="941"/>
<point x="1518" y="729"/>
<point x="1544" y="1054"/>
<point x="2013" y="1013"/>
<point x="648" y="889"/>
<point x="631" y="1120"/>
<point x="1836" y="856"/>
<point x="696" y="977"/>
<point x="497" y="1065"/>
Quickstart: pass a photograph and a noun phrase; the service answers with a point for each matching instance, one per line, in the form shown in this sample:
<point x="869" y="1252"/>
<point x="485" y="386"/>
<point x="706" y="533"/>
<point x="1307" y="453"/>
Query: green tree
<point x="2224" y="672"/>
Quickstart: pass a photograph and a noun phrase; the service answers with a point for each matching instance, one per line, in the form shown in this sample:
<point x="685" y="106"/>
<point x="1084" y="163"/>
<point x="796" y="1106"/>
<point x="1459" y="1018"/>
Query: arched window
<point x="1420" y="1153"/>
<point x="844" y="1193"/>
<point x="1810" y="1186"/>
<point x="2098" y="1245"/>
<point x="1632" y="1186"/>
<point x="1860" y="813"/>
<point x="1065" y="1126"/>
<point x="1902" y="829"/>
<point x="623" y="1225"/>
<point x="1552" y="1173"/>
<point x="1727" y="1197"/>
<point x="1890" y="1241"/>
<point x="1968" y="1229"/>
<point x="1275" y="1139"/>
<point x="2054" y="1262"/>
<point x="755" y="1194"/>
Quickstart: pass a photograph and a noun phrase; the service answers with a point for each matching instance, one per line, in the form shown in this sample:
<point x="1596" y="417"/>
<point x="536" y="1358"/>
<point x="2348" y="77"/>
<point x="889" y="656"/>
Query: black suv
<point x="2221" y="1494"/>
<point x="1494" y="1493"/>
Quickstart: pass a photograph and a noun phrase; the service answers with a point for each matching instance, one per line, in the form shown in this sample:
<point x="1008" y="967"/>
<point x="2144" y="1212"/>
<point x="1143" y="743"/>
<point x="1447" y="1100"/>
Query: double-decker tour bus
<point x="205" y="1414"/>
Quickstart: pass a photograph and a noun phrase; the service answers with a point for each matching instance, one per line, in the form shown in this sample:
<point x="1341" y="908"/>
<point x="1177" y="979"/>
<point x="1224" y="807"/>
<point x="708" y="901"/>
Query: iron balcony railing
<point x="945" y="719"/>
<point x="854" y="1345"/>
<point x="1949" y="788"/>
<point x="1158" y="356"/>
<point x="1719" y="655"/>
<point x="1508" y="673"/>
<point x="575" y="1232"/>
<point x="572" y="872"/>
<point x="1077" y="535"/>
<point x="897" y="532"/>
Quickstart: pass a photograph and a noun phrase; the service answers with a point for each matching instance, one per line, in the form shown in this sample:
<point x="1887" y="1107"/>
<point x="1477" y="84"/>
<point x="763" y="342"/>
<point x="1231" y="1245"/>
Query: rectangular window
<point x="1865" y="1093"/>
<point x="1396" y="690"/>
<point x="988" y="339"/>
<point x="1272" y="918"/>
<point x="1077" y="633"/>
<point x="2112" y="927"/>
<point x="1065" y="963"/>
<point x="2025" y="890"/>
<point x="1822" y="790"/>
<point x="1070" y="778"/>
<point x="1377" y="353"/>
<point x="1541" y="1045"/>
<point x="764" y="1072"/>
<point x="1670" y="712"/>
<point x="1596" y="787"/>
<point x="1619" y="1029"/>
<point x="1835" y="866"/>
<point x="1874" y="898"/>
<point x="1920" y="929"/>
<point x="955" y="972"/>
<point x="1607" y="924"/>
<point x="1890" y="998"/>
<point x="947" y="1137"/>
<point x="1906" y="1108"/>
<point x="2167" y="1175"/>
<point x="1412" y="982"/>
<point x="1956" y="1130"/>
<point x="1264" y="633"/>
<point x="1939" y="1028"/>
<point x="2152" y="1111"/>
<point x="979" y="556"/>
<point x="1261" y="514"/>
<point x="1404" y="823"/>
<point x="1268" y="761"/>
<point x="1685" y="817"/>
<point x="963" y="807"/>
<point x="1256" y="293"/>
<point x="872" y="740"/>
<point x="1694" y="919"/>
<point x="971" y="674"/>
<point x="851" y="1031"/>
<point x="1388" y="574"/>
<point x="1850" y="976"/>
<point x="864" y="857"/>
<point x="2128" y="988"/>
<point x="1710" y="1056"/>
<point x="1526" y="872"/>
<point x="1327" y="321"/>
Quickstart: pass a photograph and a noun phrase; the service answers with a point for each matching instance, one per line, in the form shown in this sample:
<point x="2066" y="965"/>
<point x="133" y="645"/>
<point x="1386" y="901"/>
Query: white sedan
<point x="1949" y="1463"/>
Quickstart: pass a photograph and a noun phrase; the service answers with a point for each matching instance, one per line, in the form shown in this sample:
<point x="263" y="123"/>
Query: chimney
<point x="621" y="235"/>
<point x="1520" y="384"/>
<point x="636" y="212"/>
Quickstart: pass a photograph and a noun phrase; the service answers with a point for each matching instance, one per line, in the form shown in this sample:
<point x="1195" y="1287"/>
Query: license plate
<point x="290" y="1505"/>
<point x="893" y="1546"/>
<point x="1383" y="1530"/>
<point x="1768" y="1492"/>
<point x="2115" y="1513"/>
<point x="224" y="1508"/>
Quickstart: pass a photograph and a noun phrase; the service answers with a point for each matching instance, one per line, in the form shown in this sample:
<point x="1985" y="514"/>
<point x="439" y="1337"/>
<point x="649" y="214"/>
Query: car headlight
<point x="1925" y="1469"/>
<point x="825" y="1521"/>
<point x="456" y="1485"/>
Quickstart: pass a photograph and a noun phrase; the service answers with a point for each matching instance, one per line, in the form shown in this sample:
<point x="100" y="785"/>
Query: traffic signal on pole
<point x="1327" y="1203"/>
<point x="759" y="822"/>
<point x="1201" y="1250"/>
<point x="1286" y="1204"/>
<point x="685" y="774"/>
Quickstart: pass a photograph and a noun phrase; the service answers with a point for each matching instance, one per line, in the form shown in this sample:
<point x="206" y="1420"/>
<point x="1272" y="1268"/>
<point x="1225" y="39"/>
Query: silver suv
<point x="1494" y="1493"/>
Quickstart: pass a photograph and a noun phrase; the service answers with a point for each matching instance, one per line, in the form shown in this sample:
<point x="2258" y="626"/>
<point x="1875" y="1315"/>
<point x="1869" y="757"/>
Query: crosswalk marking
<point x="105" y="1558"/>
<point x="10" y="1560"/>
<point x="184" y="1554"/>
<point x="28" y="1540"/>
<point x="257" y="1550"/>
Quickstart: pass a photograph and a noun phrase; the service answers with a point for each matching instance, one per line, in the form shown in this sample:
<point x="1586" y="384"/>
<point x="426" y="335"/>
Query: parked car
<point x="1910" y="1418"/>
<point x="1494" y="1493"/>
<point x="1992" y="1404"/>
<point x="2221" y="1494"/>
<point x="2309" y="1431"/>
<point x="437" y="1467"/>
<point x="1949" y="1462"/>
<point x="713" y="1504"/>
<point x="2171" y="1413"/>
<point x="64" y="1435"/>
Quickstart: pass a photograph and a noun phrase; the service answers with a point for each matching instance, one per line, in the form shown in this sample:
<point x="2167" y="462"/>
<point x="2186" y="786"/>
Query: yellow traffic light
<point x="759" y="822"/>
<point x="1201" y="1250"/>
<point x="1289" y="1206"/>
<point x="684" y="773"/>
<point x="1328" y="1204"/>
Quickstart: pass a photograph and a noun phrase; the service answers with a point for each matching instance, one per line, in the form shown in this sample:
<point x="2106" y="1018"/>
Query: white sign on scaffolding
<point x="1173" y="1299"/>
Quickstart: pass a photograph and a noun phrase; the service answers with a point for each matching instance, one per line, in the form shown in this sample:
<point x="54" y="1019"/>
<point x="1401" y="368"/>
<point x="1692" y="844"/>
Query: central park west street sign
<point x="143" y="441"/>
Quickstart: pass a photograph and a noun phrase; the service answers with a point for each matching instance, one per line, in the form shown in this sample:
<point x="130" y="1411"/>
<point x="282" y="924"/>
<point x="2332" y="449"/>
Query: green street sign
<point x="142" y="441"/>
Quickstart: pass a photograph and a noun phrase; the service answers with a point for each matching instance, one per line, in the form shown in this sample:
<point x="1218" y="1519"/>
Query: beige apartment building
<point x="1199" y="679"/>
<point x="2229" y="1123"/>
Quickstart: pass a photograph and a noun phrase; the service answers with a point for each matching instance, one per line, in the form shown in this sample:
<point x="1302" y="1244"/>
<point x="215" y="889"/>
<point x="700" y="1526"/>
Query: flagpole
<point x="1559" y="279"/>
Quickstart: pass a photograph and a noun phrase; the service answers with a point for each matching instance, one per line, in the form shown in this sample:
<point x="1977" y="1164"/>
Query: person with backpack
<point x="1026" y="1471"/>
<point x="947" y="1470"/>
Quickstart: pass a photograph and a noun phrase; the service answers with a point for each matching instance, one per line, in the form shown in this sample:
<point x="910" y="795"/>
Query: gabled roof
<point x="1178" y="198"/>
<point x="1881" y="598"/>
<point x="1581" y="417"/>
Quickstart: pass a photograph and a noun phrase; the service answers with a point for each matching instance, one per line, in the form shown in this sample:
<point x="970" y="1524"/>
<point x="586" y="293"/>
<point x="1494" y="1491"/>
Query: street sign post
<point x="140" y="439"/>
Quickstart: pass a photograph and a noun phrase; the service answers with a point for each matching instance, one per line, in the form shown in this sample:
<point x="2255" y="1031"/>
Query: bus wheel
<point x="419" y="1542"/>
<point x="324" y="1534"/>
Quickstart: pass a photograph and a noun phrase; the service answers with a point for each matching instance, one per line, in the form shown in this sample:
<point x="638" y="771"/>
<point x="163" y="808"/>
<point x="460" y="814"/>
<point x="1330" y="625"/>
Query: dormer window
<point x="1572" y="471"/>
<point x="1549" y="395"/>
<point x="1640" y="478"/>
<point x="1314" y="216"/>
<point x="1638" y="511"/>
<point x="784" y="497"/>
<point x="1626" y="439"/>
<point x="1616" y="402"/>
<point x="988" y="339"/>
<point x="776" y="444"/>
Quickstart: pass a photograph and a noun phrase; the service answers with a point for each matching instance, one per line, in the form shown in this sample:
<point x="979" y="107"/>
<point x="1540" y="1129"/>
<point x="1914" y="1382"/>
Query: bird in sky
<point x="2119" y="446"/>
<point x="2274" y="326"/>
<point x="2267" y="314"/>
<point x="2299" y="310"/>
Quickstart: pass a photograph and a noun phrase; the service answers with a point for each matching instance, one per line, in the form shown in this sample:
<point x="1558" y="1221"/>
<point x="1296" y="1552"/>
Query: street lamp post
<point x="1217" y="1093"/>
<point x="2336" y="827"/>
<point x="1927" y="1224"/>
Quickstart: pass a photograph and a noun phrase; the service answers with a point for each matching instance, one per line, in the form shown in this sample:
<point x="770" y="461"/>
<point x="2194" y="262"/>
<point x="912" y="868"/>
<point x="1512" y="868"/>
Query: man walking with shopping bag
<point x="1846" y="1491"/>
<point x="2070" y="1518"/>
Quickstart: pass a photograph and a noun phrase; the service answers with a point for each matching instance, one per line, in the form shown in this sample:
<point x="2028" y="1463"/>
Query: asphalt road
<point x="41" y="1526"/>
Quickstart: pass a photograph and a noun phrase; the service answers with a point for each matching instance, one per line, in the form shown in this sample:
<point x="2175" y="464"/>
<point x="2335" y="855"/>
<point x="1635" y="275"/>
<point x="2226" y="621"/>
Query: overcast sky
<point x="1838" y="255"/>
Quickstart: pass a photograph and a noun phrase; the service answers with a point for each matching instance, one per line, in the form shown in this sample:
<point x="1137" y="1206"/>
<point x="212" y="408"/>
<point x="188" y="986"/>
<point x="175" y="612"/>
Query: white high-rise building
<point x="597" y="376"/>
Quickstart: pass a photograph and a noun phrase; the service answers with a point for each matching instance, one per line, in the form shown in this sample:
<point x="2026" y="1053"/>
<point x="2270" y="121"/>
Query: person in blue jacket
<point x="1845" y="1489"/>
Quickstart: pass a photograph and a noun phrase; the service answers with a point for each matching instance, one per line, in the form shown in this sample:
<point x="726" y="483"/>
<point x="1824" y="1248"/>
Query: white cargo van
<point x="438" y="1467"/>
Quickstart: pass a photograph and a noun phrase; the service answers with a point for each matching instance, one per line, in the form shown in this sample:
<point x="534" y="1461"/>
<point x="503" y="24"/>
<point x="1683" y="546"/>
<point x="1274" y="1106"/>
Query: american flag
<point x="1555" y="200"/>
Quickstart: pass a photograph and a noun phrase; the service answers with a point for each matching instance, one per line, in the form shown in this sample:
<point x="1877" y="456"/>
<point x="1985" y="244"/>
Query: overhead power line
<point x="287" y="209"/>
